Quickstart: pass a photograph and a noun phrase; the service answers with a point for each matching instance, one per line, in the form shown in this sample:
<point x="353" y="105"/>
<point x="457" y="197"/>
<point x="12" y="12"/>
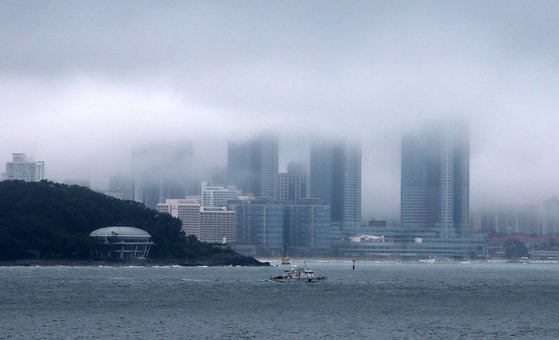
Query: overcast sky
<point x="82" y="82"/>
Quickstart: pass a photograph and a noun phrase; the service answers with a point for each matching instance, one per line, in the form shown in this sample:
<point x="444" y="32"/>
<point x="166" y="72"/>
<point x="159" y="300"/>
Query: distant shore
<point x="248" y="262"/>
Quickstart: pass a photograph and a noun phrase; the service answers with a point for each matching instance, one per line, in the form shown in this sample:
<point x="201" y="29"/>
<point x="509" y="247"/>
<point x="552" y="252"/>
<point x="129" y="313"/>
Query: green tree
<point x="56" y="219"/>
<point x="515" y="249"/>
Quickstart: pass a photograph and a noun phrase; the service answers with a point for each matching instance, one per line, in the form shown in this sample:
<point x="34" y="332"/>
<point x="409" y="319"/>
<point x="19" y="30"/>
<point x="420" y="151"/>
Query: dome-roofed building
<point x="121" y="243"/>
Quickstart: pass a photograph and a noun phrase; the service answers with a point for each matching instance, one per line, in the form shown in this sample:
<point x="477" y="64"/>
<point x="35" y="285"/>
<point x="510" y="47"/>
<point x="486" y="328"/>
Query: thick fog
<point x="84" y="83"/>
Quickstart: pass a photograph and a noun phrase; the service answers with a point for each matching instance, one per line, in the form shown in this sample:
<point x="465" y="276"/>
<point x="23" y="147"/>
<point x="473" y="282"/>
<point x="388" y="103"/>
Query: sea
<point x="384" y="300"/>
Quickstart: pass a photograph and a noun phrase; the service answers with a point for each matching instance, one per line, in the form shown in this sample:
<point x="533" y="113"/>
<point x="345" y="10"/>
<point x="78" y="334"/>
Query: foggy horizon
<point x="85" y="84"/>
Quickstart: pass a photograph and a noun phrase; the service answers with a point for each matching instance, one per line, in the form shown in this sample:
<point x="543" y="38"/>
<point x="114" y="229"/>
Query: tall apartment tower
<point x="550" y="218"/>
<point x="253" y="166"/>
<point x="293" y="185"/>
<point x="24" y="168"/>
<point x="335" y="179"/>
<point x="162" y="171"/>
<point x="435" y="179"/>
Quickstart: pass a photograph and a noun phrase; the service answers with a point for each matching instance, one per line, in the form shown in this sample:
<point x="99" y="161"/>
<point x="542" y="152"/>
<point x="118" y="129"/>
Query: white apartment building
<point x="218" y="196"/>
<point x="24" y="168"/>
<point x="217" y="224"/>
<point x="187" y="210"/>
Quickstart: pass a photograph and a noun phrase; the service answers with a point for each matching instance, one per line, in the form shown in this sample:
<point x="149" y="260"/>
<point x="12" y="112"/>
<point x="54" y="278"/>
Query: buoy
<point x="353" y="260"/>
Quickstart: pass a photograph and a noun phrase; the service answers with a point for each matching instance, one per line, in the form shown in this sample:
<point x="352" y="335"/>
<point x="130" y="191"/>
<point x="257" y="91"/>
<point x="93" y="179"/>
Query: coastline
<point x="244" y="262"/>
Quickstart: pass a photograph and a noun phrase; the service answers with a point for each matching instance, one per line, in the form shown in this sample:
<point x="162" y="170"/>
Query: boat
<point x="298" y="275"/>
<point x="433" y="260"/>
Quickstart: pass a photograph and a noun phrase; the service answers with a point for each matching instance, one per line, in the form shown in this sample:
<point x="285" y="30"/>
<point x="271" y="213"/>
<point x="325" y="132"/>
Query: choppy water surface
<point x="377" y="300"/>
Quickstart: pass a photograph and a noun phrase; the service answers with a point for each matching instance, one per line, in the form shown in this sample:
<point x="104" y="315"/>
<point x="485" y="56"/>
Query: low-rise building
<point x="121" y="243"/>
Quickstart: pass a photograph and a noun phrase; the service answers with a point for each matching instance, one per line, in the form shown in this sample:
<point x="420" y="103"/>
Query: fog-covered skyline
<point x="83" y="83"/>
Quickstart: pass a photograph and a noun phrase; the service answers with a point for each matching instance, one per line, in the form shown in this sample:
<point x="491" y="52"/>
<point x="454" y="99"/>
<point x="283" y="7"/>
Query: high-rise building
<point x="162" y="172"/>
<point x="435" y="182"/>
<point x="307" y="224"/>
<point x="511" y="219"/>
<point x="259" y="222"/>
<point x="187" y="210"/>
<point x="335" y="179"/>
<point x="253" y="166"/>
<point x="218" y="196"/>
<point x="121" y="187"/>
<point x="293" y="185"/>
<point x="550" y="218"/>
<point x="23" y="168"/>
<point x="283" y="187"/>
<point x="352" y="187"/>
<point x="297" y="181"/>
<point x="217" y="225"/>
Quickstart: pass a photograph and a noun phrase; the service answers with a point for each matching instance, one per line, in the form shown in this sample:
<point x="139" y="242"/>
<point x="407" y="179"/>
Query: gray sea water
<point x="376" y="301"/>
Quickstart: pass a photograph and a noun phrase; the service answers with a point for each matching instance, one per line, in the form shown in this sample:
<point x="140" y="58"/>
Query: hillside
<point x="56" y="219"/>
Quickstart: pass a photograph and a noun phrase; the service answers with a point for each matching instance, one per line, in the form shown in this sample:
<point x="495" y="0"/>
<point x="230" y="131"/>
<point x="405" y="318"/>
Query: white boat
<point x="428" y="261"/>
<point x="298" y="275"/>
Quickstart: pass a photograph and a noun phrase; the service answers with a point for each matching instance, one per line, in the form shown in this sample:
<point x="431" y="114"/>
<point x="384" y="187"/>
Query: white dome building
<point x="121" y="243"/>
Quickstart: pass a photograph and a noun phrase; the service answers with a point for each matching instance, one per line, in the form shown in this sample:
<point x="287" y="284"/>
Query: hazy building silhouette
<point x="550" y="218"/>
<point x="253" y="166"/>
<point x="335" y="179"/>
<point x="511" y="219"/>
<point x="293" y="185"/>
<point x="283" y="187"/>
<point x="218" y="196"/>
<point x="121" y="187"/>
<point x="163" y="171"/>
<point x="23" y="168"/>
<point x="435" y="181"/>
<point x="297" y="181"/>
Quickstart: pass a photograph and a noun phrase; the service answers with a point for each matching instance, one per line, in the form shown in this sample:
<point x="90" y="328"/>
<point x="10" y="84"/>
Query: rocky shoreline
<point x="236" y="261"/>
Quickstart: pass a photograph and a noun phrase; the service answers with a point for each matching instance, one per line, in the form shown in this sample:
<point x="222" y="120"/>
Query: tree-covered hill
<point x="56" y="219"/>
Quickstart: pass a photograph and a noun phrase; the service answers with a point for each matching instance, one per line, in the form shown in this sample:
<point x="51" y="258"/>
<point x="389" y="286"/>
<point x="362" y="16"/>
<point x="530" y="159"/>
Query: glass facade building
<point x="435" y="179"/>
<point x="259" y="222"/>
<point x="335" y="179"/>
<point x="307" y="224"/>
<point x="253" y="166"/>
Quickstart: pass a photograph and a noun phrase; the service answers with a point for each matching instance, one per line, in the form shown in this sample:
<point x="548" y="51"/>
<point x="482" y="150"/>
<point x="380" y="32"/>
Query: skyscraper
<point x="435" y="182"/>
<point x="292" y="185"/>
<point x="253" y="166"/>
<point x="163" y="171"/>
<point x="24" y="168"/>
<point x="283" y="187"/>
<point x="335" y="178"/>
<point x="550" y="218"/>
<point x="297" y="180"/>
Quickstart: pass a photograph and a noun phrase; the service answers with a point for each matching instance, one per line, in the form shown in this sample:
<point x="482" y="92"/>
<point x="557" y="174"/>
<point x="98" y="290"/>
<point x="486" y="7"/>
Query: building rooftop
<point x="120" y="231"/>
